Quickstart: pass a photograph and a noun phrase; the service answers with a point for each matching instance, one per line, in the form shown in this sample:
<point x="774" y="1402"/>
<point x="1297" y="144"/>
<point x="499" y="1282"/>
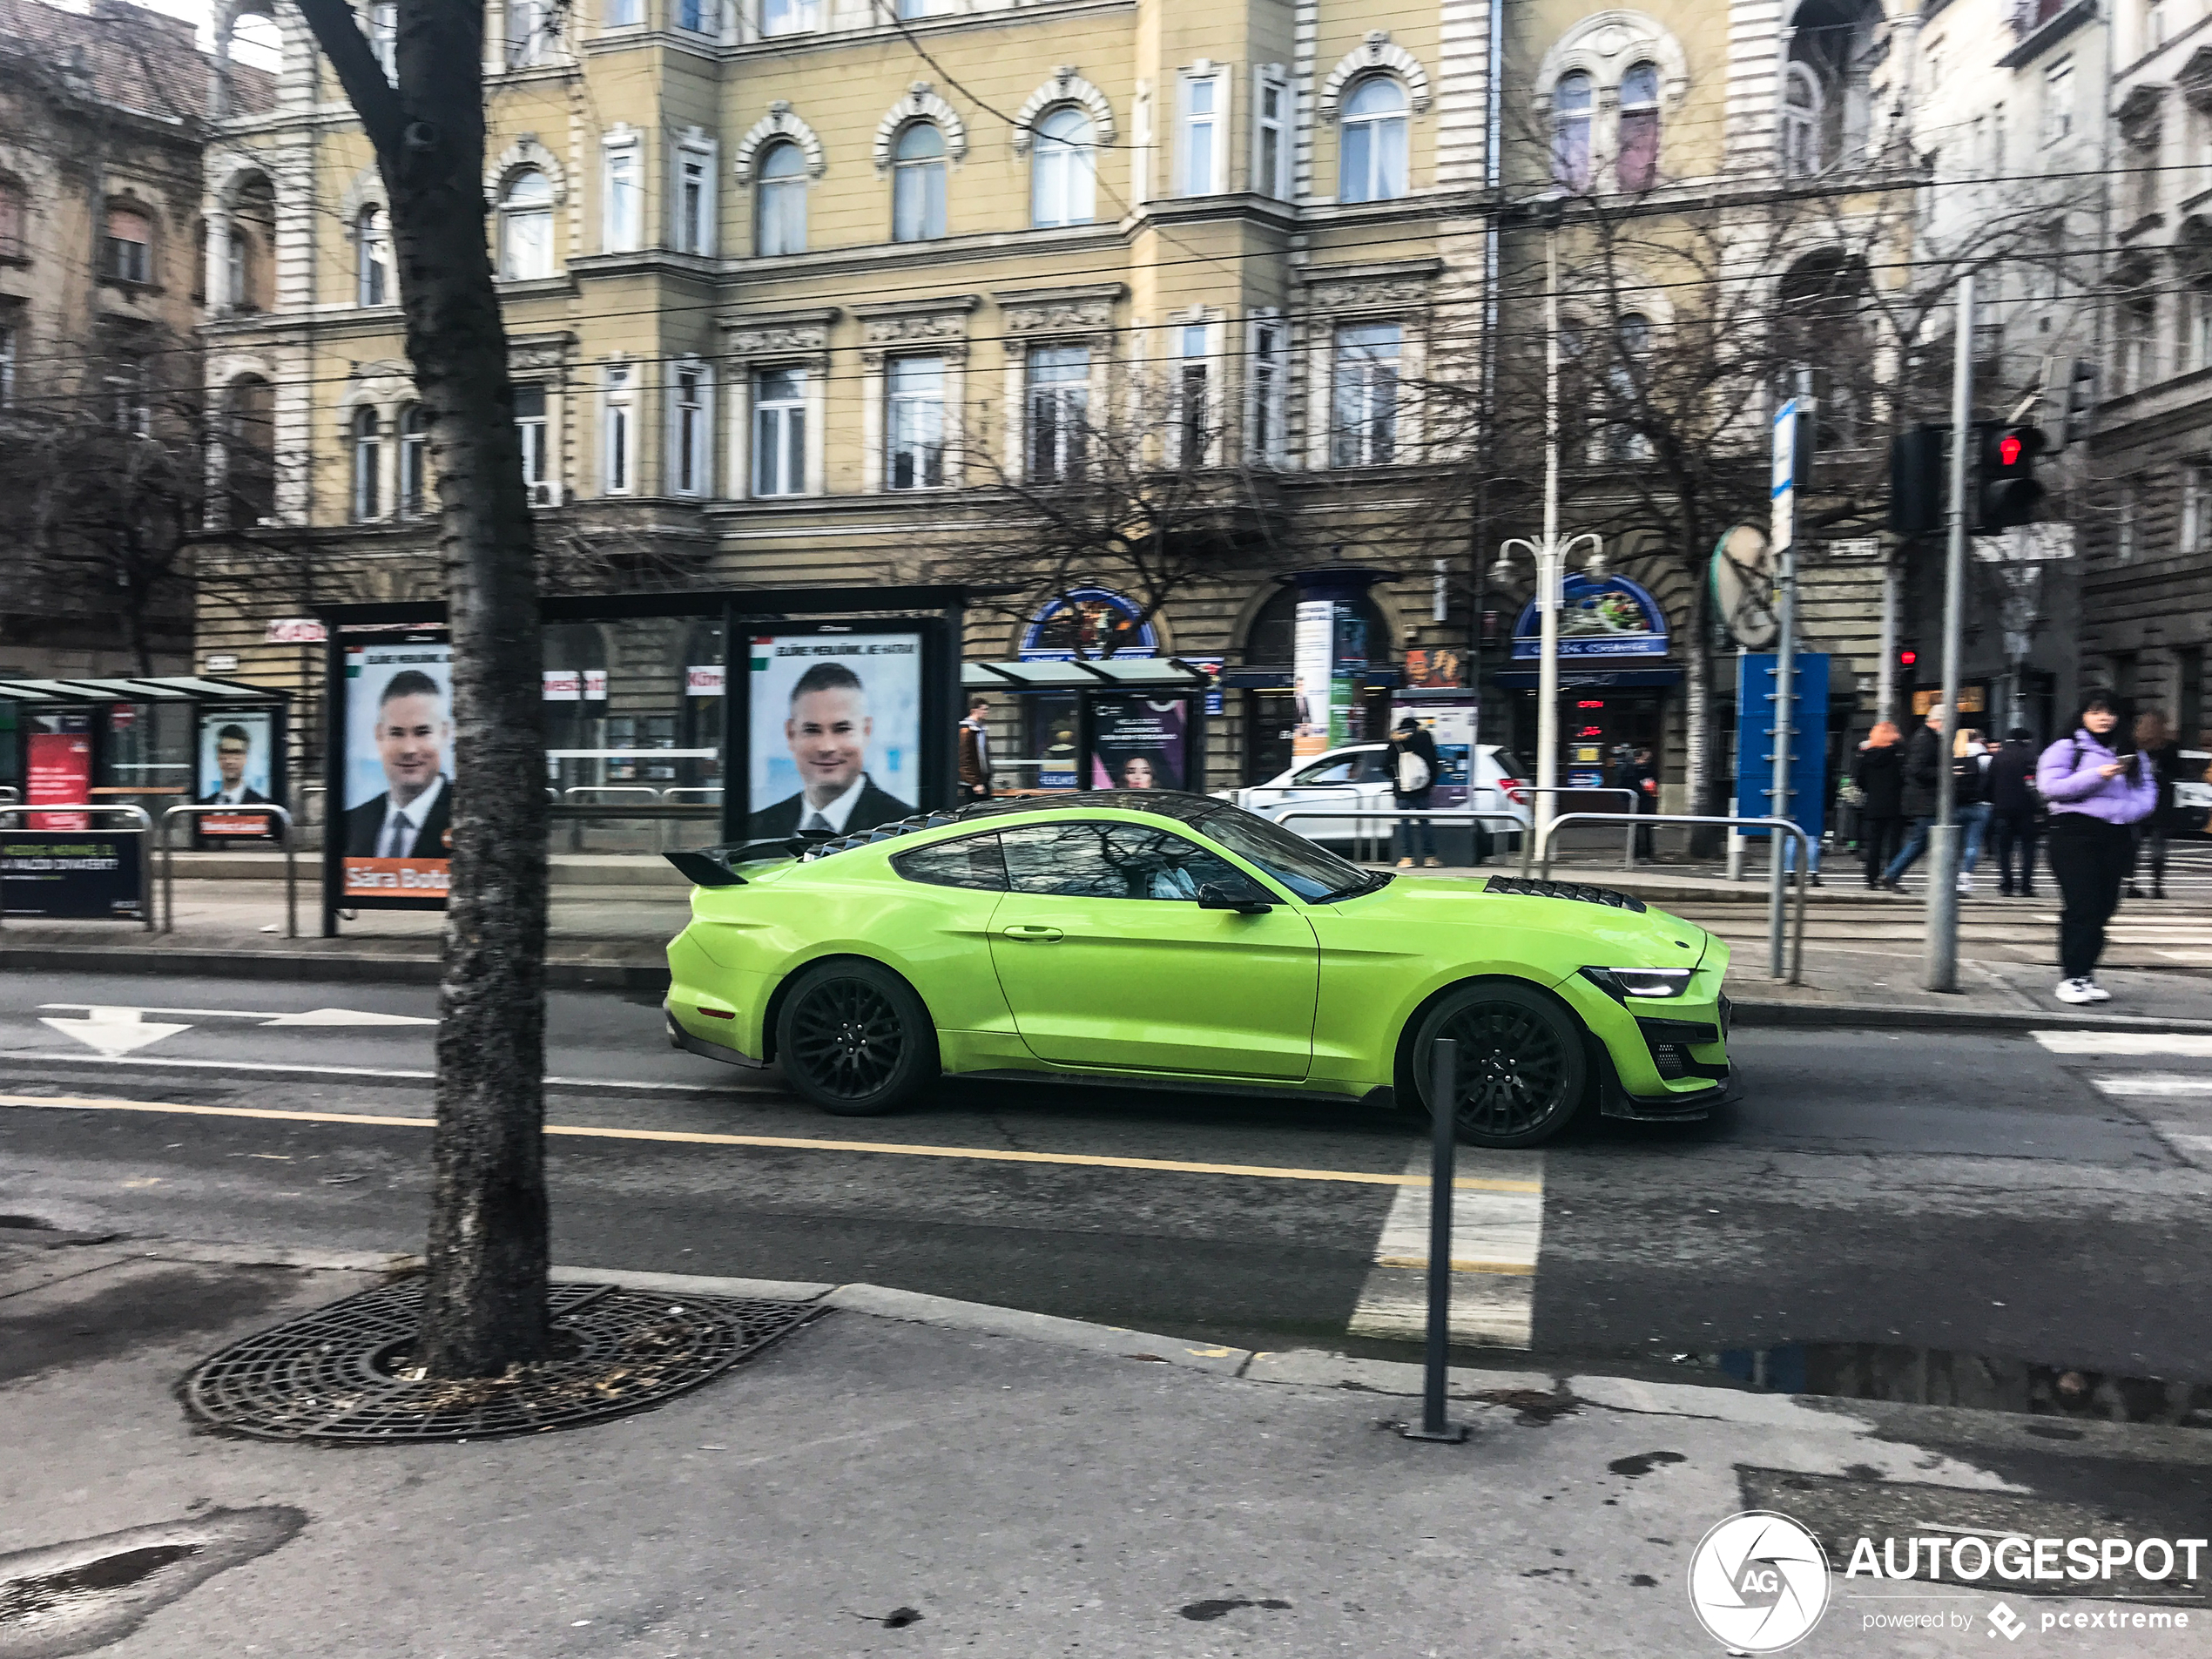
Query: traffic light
<point x="1915" y="480"/>
<point x="2005" y="492"/>
<point x="2081" y="401"/>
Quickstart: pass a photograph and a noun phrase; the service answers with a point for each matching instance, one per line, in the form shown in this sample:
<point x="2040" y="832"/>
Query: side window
<point x="1096" y="859"/>
<point x="1329" y="771"/>
<point x="1374" y="766"/>
<point x="972" y="861"/>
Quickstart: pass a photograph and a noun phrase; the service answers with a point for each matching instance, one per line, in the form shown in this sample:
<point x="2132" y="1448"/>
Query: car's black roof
<point x="1168" y="803"/>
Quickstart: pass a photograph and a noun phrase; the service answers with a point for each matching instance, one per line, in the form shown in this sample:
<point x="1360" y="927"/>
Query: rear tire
<point x="1522" y="1068"/>
<point x="854" y="1039"/>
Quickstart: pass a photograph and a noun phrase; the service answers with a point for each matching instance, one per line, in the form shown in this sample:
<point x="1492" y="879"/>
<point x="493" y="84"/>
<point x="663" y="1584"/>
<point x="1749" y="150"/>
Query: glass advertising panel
<point x="835" y="732"/>
<point x="1139" y="742"/>
<point x="394" y="837"/>
<point x="234" y="768"/>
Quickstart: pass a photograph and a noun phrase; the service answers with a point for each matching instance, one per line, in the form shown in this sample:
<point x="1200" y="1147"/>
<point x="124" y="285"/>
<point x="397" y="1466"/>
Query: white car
<point x="1357" y="777"/>
<point x="2193" y="794"/>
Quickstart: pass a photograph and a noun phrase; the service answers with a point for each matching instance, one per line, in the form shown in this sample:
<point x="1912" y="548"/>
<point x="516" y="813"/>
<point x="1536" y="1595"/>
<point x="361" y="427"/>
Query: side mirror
<point x="1244" y="901"/>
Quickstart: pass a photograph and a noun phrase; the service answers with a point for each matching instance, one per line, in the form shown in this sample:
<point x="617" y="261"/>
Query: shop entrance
<point x="1599" y="727"/>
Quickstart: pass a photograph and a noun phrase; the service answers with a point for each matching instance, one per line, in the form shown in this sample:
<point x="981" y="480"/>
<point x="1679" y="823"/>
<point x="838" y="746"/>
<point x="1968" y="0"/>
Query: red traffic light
<point x="1908" y="657"/>
<point x="2008" y="449"/>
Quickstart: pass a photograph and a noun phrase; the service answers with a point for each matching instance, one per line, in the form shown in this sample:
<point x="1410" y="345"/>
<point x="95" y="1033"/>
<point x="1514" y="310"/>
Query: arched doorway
<point x="1270" y="713"/>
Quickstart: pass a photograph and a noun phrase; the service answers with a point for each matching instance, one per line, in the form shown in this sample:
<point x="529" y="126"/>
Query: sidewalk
<point x="912" y="1476"/>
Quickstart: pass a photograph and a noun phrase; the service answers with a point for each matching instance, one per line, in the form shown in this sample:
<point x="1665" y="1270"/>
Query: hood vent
<point x="1580" y="892"/>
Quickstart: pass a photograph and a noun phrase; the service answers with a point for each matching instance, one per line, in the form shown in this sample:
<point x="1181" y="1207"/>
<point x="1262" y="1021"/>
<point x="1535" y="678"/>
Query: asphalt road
<point x="1983" y="1196"/>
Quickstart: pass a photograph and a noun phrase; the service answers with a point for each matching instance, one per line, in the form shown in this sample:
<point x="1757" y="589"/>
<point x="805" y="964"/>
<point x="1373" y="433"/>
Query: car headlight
<point x="1622" y="983"/>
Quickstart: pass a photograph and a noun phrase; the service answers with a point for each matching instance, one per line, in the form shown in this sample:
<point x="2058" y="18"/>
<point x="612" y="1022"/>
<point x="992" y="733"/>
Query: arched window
<point x="1571" y="131"/>
<point x="1636" y="165"/>
<point x="12" y="244"/>
<point x="526" y="226"/>
<point x="780" y="207"/>
<point x="368" y="464"/>
<point x="414" y="461"/>
<point x="374" y="247"/>
<point x="130" y="245"/>
<point x="1372" y="161"/>
<point x="1801" y="103"/>
<point x="1063" y="177"/>
<point x="918" y="184"/>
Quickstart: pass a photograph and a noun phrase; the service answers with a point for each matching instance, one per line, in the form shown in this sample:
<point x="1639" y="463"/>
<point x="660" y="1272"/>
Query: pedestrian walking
<point x="1878" y="775"/>
<point x="1923" y="776"/>
<point x="1969" y="799"/>
<point x="975" y="752"/>
<point x="2155" y="742"/>
<point x="1637" y="774"/>
<point x="2015" y="808"/>
<point x="2097" y="784"/>
<point x="1412" y="780"/>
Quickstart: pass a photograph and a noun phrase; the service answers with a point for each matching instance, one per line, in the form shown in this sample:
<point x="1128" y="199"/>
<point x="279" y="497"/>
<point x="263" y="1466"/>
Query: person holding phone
<point x="2098" y="784"/>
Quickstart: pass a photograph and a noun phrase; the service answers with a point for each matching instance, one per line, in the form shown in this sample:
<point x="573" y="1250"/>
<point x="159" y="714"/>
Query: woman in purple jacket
<point x="2094" y="791"/>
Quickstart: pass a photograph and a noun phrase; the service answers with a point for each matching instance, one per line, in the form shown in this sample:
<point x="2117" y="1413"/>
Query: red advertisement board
<point x="60" y="771"/>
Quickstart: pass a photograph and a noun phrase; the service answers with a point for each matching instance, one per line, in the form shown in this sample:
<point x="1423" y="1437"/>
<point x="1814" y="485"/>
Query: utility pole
<point x="1783" y="534"/>
<point x="1550" y="560"/>
<point x="1941" y="970"/>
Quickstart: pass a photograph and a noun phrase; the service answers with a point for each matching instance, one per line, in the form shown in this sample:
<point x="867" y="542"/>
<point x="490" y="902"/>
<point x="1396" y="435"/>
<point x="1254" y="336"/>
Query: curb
<point x="310" y="967"/>
<point x="1862" y="1015"/>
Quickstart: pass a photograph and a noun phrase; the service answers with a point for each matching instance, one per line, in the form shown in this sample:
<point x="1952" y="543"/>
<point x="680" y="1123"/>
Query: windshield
<point x="1313" y="873"/>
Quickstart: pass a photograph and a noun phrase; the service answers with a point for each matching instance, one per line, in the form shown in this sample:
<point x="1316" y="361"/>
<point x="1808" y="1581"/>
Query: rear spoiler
<point x="710" y="867"/>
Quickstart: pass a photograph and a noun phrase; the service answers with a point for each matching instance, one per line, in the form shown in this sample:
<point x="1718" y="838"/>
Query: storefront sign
<point x="1613" y="616"/>
<point x="571" y="685"/>
<point x="72" y="874"/>
<point x="704" y="680"/>
<point x="1087" y="622"/>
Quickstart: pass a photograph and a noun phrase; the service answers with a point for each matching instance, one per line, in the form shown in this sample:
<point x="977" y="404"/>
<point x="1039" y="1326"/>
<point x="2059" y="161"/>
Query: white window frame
<point x="411" y="450"/>
<point x="618" y="430"/>
<point x="1193" y="361"/>
<point x="509" y="215"/>
<point x="621" y="195"/>
<point x="701" y="17"/>
<point x="1377" y="181"/>
<point x="1072" y="168"/>
<point x="780" y="17"/>
<point x="768" y="193"/>
<point x="373" y="249"/>
<point x="1800" y="123"/>
<point x="2127" y="530"/>
<point x="909" y="10"/>
<point x="2059" y="93"/>
<point x="902" y="171"/>
<point x="533" y="436"/>
<point x="1274" y="182"/>
<point x="894" y="401"/>
<point x="622" y="13"/>
<point x="695" y="209"/>
<point x="1068" y="394"/>
<point x="1213" y="121"/>
<point x="527" y="34"/>
<point x="691" y="428"/>
<point x="1352" y="442"/>
<point x="8" y="333"/>
<point x="1267" y="352"/>
<point x="128" y="259"/>
<point x="365" y="445"/>
<point x="772" y="462"/>
<point x="2196" y="482"/>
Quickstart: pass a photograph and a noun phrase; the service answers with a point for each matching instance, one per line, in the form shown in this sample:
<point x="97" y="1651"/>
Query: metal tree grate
<point x="343" y="1372"/>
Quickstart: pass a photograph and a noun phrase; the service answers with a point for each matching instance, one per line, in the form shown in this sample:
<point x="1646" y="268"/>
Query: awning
<point x="1587" y="679"/>
<point x="1111" y="673"/>
<point x="177" y="688"/>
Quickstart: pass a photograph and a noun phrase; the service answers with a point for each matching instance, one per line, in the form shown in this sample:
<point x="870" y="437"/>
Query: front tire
<point x="854" y="1039"/>
<point x="1522" y="1069"/>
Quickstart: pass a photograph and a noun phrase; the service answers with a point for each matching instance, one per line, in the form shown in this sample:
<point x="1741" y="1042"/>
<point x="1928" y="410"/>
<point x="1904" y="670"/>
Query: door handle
<point x="1034" y="931"/>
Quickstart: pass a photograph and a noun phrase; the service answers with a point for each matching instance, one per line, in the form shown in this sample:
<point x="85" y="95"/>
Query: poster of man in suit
<point x="836" y="736"/>
<point x="399" y="798"/>
<point x="234" y="771"/>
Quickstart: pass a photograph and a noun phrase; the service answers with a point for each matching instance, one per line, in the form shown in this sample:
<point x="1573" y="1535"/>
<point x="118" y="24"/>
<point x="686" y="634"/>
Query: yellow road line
<point x="1510" y="1270"/>
<point x="989" y="1154"/>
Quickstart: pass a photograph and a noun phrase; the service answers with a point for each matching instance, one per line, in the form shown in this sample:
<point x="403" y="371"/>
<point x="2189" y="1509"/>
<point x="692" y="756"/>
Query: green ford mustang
<point x="1165" y="939"/>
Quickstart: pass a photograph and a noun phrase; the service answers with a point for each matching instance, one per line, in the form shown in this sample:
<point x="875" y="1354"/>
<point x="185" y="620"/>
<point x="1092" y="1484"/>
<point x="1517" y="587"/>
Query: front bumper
<point x="1685" y="1106"/>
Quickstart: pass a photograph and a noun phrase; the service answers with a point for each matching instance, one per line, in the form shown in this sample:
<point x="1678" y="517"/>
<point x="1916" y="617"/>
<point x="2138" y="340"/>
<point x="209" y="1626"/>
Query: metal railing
<point x="259" y="809"/>
<point x="144" y="832"/>
<point x="1434" y="815"/>
<point x="1629" y="841"/>
<point x="1776" y="875"/>
<point x="9" y="793"/>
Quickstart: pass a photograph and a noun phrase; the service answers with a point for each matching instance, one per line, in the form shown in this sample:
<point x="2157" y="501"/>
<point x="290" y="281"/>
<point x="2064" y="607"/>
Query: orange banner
<point x="412" y="878"/>
<point x="220" y="824"/>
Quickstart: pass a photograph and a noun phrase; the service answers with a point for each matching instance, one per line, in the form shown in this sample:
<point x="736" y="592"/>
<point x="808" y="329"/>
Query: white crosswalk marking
<point x="2177" y="1104"/>
<point x="2157" y="1045"/>
<point x="1496" y="1237"/>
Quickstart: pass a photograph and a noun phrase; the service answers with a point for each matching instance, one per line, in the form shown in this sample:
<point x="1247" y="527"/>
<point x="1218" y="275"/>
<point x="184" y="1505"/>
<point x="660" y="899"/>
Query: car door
<point x="1107" y="960"/>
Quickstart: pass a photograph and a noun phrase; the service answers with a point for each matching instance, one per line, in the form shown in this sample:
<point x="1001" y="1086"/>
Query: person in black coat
<point x="2156" y="739"/>
<point x="2013" y="807"/>
<point x="1923" y="762"/>
<point x="1412" y="741"/>
<point x="1879" y="775"/>
<point x="1637" y="772"/>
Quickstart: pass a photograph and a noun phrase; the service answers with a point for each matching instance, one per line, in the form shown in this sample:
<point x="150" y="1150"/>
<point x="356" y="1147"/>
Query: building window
<point x="921" y="8"/>
<point x="2200" y="303"/>
<point x="1571" y="131"/>
<point x="2196" y="522"/>
<point x="414" y="461"/>
<point x="368" y="465"/>
<point x="238" y="269"/>
<point x="787" y="16"/>
<point x="618" y="434"/>
<point x="1637" y="164"/>
<point x="129" y="407"/>
<point x="1063" y="177"/>
<point x="695" y="201"/>
<point x="623" y="227"/>
<point x="2154" y="25"/>
<point x="624" y="14"/>
<point x="372" y="244"/>
<point x="526" y="227"/>
<point x="384" y="37"/>
<point x="130" y="245"/>
<point x="779" y="432"/>
<point x="1627" y="376"/>
<point x="2058" y="101"/>
<point x="1371" y="164"/>
<point x="1202" y="146"/>
<point x="688" y="431"/>
<point x="2125" y="526"/>
<point x="7" y="366"/>
<point x="699" y="16"/>
<point x="530" y="437"/>
<point x="1271" y="135"/>
<point x="1800" y="104"/>
<point x="2138" y="341"/>
<point x="914" y="390"/>
<point x="1366" y="395"/>
<point x="1192" y="403"/>
<point x="1267" y="391"/>
<point x="529" y="30"/>
<point x="918" y="184"/>
<point x="1059" y="407"/>
<point x="12" y="244"/>
<point x="779" y="200"/>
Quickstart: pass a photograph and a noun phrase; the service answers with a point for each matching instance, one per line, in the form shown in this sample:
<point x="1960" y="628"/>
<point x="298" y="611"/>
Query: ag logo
<point x="1758" y="1581"/>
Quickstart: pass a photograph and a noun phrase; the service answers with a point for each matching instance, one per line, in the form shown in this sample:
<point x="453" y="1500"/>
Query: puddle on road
<point x="1938" y="1376"/>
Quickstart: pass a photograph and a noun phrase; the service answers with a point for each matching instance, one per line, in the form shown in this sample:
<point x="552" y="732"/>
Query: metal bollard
<point x="1444" y="1099"/>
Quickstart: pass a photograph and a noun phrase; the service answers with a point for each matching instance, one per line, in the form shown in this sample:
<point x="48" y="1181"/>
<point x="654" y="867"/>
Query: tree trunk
<point x="485" y="1302"/>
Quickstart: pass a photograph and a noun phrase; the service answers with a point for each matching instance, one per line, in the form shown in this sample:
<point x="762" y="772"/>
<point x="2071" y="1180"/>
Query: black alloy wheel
<point x="1522" y="1068"/>
<point x="854" y="1039"/>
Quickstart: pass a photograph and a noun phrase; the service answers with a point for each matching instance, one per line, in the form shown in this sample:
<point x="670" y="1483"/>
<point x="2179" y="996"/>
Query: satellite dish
<point x="1743" y="575"/>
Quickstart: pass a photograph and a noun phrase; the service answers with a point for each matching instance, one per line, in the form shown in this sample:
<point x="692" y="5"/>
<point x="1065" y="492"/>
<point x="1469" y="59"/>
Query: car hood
<point x="1638" y="937"/>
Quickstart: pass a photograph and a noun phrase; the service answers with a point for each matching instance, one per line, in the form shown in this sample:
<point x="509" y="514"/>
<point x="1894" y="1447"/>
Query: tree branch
<point x="374" y="99"/>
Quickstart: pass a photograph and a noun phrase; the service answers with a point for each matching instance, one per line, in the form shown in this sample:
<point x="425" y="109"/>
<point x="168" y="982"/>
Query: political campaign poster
<point x="234" y="770"/>
<point x="1139" y="742"/>
<point x="75" y="873"/>
<point x="60" y="768"/>
<point x="835" y="732"/>
<point x="393" y="834"/>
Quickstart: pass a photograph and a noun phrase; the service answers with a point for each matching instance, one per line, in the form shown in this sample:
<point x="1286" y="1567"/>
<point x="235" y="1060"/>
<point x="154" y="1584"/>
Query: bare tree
<point x="485" y="1302"/>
